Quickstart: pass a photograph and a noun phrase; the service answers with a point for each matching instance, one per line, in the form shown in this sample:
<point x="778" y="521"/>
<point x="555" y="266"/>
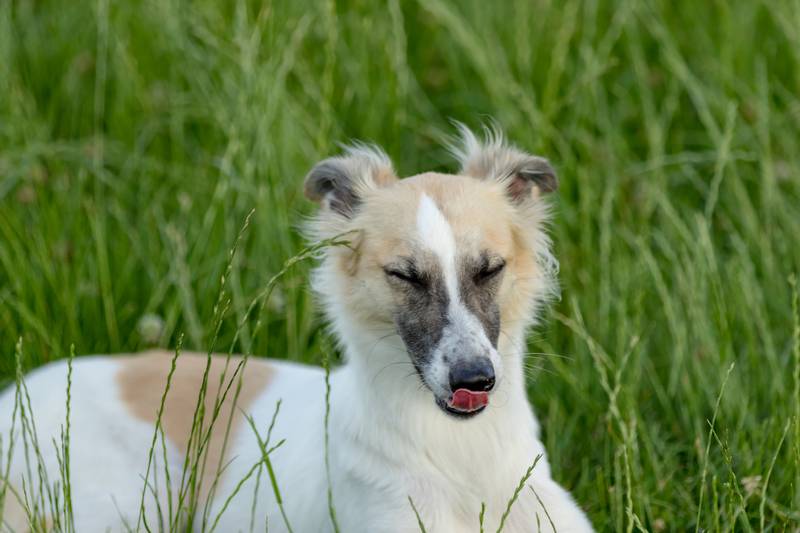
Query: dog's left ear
<point x="526" y="176"/>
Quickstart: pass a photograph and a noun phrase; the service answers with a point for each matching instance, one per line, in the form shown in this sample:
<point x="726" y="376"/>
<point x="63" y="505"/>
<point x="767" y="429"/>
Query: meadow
<point x="136" y="137"/>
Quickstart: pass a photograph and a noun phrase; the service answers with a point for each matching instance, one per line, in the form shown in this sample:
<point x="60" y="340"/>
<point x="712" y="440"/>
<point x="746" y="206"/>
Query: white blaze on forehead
<point x="436" y="234"/>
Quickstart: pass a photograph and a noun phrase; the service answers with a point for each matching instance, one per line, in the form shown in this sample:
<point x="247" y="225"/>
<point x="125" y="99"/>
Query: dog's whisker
<point x="386" y="366"/>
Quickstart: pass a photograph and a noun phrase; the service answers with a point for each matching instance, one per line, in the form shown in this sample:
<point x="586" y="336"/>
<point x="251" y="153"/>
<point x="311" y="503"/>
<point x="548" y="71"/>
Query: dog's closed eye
<point x="489" y="271"/>
<point x="410" y="275"/>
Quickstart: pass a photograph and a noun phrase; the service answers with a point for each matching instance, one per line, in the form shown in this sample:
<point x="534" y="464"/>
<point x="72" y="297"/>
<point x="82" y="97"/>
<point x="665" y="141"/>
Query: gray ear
<point x="526" y="176"/>
<point x="532" y="173"/>
<point x="338" y="183"/>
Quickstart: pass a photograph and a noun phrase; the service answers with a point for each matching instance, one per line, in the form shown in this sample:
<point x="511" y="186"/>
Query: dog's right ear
<point x="339" y="183"/>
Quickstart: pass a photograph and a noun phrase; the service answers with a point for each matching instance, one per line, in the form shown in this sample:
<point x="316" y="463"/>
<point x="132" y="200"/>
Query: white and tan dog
<point x="430" y="302"/>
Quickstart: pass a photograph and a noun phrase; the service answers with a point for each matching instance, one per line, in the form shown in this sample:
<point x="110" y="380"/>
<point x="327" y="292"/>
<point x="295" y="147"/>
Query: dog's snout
<point x="474" y="374"/>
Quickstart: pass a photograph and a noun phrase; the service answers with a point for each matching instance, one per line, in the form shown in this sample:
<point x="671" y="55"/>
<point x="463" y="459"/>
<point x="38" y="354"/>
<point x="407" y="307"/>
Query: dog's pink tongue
<point x="467" y="400"/>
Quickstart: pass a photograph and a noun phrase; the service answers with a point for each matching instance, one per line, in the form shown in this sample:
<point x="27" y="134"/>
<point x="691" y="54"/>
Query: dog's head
<point x="450" y="263"/>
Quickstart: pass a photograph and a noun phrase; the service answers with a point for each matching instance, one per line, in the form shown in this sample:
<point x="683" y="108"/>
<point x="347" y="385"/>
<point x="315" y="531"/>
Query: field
<point x="135" y="138"/>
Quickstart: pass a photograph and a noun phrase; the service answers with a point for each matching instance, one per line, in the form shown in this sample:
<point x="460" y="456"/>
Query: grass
<point x="135" y="139"/>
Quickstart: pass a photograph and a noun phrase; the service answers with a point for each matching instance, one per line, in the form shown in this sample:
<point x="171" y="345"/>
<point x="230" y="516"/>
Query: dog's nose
<point x="474" y="374"/>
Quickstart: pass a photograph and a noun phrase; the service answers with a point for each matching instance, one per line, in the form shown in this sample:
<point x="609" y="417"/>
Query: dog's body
<point x="431" y="301"/>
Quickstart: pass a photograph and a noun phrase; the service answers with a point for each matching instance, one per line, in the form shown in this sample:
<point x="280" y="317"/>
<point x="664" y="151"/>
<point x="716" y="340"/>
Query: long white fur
<point x="388" y="441"/>
<point x="108" y="449"/>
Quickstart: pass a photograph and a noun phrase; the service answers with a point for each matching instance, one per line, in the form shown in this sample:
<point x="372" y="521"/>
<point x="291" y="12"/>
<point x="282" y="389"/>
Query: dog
<point x="426" y="425"/>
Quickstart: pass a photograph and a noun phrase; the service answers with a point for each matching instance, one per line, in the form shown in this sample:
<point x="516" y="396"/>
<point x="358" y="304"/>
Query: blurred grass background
<point x="135" y="137"/>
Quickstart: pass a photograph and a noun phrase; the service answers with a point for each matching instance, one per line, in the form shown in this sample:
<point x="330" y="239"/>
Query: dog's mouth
<point x="464" y="403"/>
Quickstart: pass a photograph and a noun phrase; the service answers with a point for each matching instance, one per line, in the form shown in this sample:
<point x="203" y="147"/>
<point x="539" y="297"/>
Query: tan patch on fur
<point x="14" y="515"/>
<point x="142" y="379"/>
<point x="384" y="177"/>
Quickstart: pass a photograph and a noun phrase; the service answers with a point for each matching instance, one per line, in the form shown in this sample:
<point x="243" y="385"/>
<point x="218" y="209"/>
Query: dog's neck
<point x="382" y="409"/>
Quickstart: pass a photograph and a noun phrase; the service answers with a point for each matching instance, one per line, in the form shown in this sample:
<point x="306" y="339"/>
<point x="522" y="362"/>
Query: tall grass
<point x="136" y="137"/>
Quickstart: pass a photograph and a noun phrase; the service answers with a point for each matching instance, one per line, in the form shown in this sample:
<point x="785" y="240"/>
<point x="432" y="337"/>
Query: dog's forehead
<point x="437" y="212"/>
